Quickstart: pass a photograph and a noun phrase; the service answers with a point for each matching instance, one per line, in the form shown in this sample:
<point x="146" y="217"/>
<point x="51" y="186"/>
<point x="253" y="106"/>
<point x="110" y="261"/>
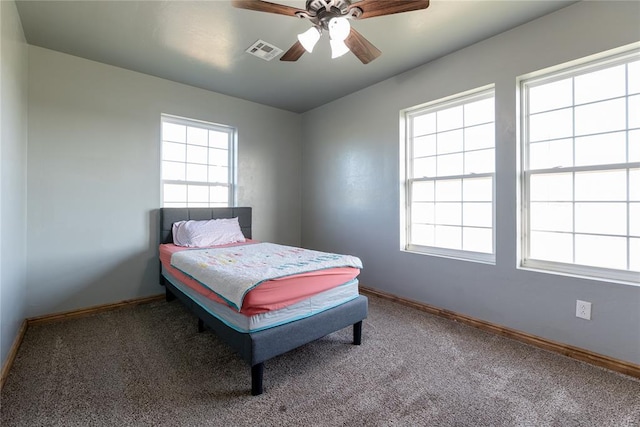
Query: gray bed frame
<point x="257" y="347"/>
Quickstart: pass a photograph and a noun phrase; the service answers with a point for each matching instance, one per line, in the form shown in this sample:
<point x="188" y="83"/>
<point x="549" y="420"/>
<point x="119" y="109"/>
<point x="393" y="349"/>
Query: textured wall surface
<point x="351" y="186"/>
<point x="94" y="176"/>
<point x="13" y="178"/>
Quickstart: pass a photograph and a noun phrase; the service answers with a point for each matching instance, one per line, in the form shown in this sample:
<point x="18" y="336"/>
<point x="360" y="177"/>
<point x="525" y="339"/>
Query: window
<point x="581" y="169"/>
<point x="198" y="163"/>
<point x="449" y="177"/>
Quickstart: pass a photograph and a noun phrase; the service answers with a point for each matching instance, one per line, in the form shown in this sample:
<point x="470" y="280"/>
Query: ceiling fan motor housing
<point x="320" y="12"/>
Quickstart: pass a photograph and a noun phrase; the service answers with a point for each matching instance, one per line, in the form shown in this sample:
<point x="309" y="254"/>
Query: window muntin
<point x="449" y="177"/>
<point x="581" y="169"/>
<point x="197" y="163"/>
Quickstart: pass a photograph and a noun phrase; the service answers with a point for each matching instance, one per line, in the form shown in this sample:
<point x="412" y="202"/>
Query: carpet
<point x="148" y="366"/>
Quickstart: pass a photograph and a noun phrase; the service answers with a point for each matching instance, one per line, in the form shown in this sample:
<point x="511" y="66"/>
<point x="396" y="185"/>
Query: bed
<point x="255" y="346"/>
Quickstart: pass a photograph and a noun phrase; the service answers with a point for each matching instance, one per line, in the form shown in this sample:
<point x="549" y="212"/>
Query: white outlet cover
<point x="583" y="309"/>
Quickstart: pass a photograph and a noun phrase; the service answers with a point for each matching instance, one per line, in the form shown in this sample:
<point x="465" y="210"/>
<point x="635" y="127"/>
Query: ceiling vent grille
<point x="264" y="50"/>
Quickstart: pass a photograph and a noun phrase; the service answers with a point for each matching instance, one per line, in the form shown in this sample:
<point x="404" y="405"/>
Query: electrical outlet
<point x="583" y="309"/>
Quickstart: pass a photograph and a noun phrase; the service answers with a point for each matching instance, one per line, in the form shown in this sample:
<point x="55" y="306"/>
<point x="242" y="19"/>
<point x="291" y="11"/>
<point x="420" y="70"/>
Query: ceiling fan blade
<point x="265" y="6"/>
<point x="294" y="53"/>
<point x="361" y="47"/>
<point x="373" y="8"/>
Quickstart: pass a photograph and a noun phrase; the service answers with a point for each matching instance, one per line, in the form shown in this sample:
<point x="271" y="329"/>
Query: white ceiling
<point x="203" y="43"/>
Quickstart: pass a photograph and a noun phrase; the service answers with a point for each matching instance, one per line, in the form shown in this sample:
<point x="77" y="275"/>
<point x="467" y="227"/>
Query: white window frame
<point x="406" y="172"/>
<point x="231" y="185"/>
<point x="574" y="69"/>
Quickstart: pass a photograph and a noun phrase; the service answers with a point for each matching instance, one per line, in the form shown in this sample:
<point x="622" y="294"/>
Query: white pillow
<point x="213" y="232"/>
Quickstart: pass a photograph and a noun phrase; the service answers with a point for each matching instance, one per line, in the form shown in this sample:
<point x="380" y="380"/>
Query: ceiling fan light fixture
<point x="338" y="48"/>
<point x="309" y="38"/>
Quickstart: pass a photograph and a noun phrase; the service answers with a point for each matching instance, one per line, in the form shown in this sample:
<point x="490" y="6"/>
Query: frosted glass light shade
<point x="309" y="38"/>
<point x="339" y="28"/>
<point x="338" y="48"/>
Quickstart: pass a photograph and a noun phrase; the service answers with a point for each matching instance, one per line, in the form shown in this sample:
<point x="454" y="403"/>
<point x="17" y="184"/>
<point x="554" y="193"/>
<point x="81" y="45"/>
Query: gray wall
<point x="351" y="187"/>
<point x="13" y="190"/>
<point x="94" y="176"/>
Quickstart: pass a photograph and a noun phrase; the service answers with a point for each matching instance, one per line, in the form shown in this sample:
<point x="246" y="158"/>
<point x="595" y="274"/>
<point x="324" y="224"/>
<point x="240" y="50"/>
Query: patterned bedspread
<point x="232" y="272"/>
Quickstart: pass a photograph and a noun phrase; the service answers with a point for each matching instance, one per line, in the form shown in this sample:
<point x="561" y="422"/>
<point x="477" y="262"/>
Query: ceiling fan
<point x="333" y="16"/>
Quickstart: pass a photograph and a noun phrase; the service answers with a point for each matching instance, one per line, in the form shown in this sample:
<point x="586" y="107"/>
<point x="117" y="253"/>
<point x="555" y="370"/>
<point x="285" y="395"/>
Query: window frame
<point x="231" y="186"/>
<point x="406" y="171"/>
<point x="554" y="74"/>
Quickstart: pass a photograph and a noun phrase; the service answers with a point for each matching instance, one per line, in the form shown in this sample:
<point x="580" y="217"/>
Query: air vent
<point x="264" y="50"/>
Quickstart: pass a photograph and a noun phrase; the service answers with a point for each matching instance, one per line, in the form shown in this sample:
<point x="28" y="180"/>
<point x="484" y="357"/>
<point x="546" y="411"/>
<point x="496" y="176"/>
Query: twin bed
<point x="273" y="318"/>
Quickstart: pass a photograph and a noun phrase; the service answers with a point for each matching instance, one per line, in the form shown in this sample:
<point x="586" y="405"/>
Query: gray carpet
<point x="148" y="366"/>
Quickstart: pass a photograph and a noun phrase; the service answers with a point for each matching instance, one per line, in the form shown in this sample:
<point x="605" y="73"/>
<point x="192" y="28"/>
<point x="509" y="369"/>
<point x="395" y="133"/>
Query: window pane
<point x="218" y="139"/>
<point x="556" y="247"/>
<point x="478" y="189"/>
<point x="479" y="112"/>
<point x="450" y="142"/>
<point x="423" y="235"/>
<point x="174" y="193"/>
<point x="424" y="124"/>
<point x="448" y="213"/>
<point x="440" y="140"/>
<point x="634" y="146"/>
<point x="424" y="166"/>
<point x="219" y="194"/>
<point x="423" y="212"/>
<point x="477" y="214"/>
<point x="605" y="116"/>
<point x="173" y="151"/>
<point x="448" y="119"/>
<point x="196" y="154"/>
<point x="424" y="146"/>
<point x="634" y="254"/>
<point x="552" y="154"/>
<point x="633" y="73"/>
<point x="218" y="174"/>
<point x="449" y="190"/>
<point x="551" y="216"/>
<point x="601" y="218"/>
<point x="196" y="136"/>
<point x="551" y="96"/>
<point x="423" y="191"/>
<point x="634" y="111"/>
<point x="196" y="173"/>
<point x="552" y="125"/>
<point x="634" y="185"/>
<point x="601" y="186"/>
<point x="478" y="137"/>
<point x="448" y="237"/>
<point x="449" y="164"/>
<point x="173" y="171"/>
<point x="481" y="161"/>
<point x="173" y="132"/>
<point x="477" y="240"/>
<point x="555" y="187"/>
<point x="601" y="149"/>
<point x="198" y="194"/>
<point x="634" y="219"/>
<point x="598" y="85"/>
<point x="218" y="157"/>
<point x="601" y="251"/>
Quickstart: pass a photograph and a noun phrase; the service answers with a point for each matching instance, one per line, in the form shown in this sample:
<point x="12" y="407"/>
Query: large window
<point x="581" y="169"/>
<point x="449" y="177"/>
<point x="197" y="163"/>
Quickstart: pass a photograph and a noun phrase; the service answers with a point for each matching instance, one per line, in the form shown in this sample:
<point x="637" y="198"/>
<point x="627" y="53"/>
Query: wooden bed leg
<point x="200" y="325"/>
<point x="357" y="333"/>
<point x="256" y="379"/>
<point x="168" y="296"/>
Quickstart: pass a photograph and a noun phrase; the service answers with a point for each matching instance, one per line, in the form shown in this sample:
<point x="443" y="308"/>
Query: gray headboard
<point x="170" y="215"/>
